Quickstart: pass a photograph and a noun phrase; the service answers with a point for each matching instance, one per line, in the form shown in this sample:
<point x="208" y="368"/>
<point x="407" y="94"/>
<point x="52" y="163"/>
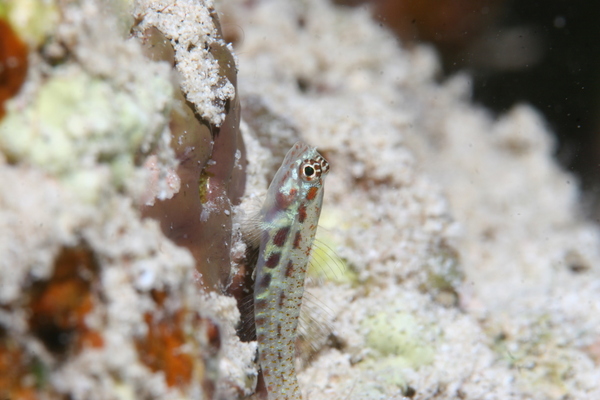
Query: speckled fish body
<point x="289" y="219"/>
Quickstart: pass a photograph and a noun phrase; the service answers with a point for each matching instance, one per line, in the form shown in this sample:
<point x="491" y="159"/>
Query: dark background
<point x="543" y="52"/>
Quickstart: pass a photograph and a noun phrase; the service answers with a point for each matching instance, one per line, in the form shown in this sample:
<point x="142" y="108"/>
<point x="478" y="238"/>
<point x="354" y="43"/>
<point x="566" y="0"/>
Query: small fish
<point x="289" y="219"/>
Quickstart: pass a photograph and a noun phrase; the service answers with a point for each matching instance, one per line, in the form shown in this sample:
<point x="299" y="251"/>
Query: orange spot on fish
<point x="273" y="260"/>
<point x="281" y="299"/>
<point x="297" y="240"/>
<point x="260" y="304"/>
<point x="265" y="281"/>
<point x="312" y="193"/>
<point x="301" y="213"/>
<point x="289" y="270"/>
<point x="281" y="236"/>
<point x="284" y="200"/>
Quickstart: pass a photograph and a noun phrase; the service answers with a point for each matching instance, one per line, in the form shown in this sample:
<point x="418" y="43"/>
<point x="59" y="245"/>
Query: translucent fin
<point x="314" y="326"/>
<point x="246" y="329"/>
<point x="325" y="264"/>
<point x="251" y="225"/>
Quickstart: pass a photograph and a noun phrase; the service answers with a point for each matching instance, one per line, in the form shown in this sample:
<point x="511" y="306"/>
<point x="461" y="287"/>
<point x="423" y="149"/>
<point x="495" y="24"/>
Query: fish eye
<point x="310" y="170"/>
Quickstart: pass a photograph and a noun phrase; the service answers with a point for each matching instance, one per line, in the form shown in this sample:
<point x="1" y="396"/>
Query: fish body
<point x="289" y="219"/>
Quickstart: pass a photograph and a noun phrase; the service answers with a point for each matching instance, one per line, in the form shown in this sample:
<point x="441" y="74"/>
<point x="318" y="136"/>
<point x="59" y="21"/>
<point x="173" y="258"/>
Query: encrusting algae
<point x="95" y="301"/>
<point x="209" y="150"/>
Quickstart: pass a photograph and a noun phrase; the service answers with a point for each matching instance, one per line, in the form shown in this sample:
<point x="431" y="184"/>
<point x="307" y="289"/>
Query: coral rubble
<point x="95" y="301"/>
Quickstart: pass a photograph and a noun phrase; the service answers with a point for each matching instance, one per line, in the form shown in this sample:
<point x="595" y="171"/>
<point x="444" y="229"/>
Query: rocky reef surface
<point x="456" y="261"/>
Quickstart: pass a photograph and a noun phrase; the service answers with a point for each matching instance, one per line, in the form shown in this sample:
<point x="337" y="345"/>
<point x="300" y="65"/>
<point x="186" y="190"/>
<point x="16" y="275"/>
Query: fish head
<point x="300" y="177"/>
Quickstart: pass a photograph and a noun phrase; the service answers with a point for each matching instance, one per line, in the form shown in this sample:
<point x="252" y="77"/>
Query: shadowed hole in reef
<point x="60" y="304"/>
